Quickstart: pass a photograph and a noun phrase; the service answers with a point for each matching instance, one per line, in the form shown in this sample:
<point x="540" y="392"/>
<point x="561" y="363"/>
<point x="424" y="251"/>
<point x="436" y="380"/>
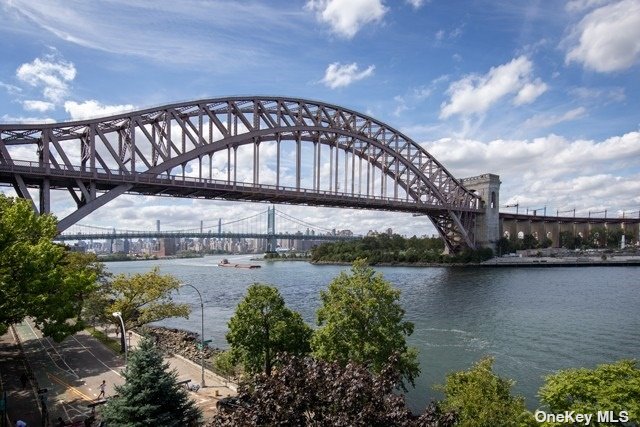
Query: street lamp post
<point x="119" y="316"/>
<point x="202" y="384"/>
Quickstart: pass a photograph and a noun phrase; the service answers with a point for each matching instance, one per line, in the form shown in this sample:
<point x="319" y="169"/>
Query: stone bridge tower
<point x="487" y="228"/>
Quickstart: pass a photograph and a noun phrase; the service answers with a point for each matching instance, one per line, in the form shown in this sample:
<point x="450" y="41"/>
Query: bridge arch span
<point x="99" y="159"/>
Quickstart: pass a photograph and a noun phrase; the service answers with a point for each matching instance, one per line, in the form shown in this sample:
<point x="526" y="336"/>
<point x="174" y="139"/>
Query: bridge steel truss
<point x="99" y="159"/>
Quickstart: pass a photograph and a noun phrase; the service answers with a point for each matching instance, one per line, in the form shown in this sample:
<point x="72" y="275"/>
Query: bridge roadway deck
<point x="194" y="187"/>
<point x="196" y="234"/>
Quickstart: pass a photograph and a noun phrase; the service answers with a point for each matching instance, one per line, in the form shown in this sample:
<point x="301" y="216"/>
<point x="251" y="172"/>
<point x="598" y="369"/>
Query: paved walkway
<point x="73" y="370"/>
<point x="21" y="402"/>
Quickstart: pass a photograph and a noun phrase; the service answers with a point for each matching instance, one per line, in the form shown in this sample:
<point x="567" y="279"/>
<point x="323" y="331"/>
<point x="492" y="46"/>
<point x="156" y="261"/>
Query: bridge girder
<point x="138" y="153"/>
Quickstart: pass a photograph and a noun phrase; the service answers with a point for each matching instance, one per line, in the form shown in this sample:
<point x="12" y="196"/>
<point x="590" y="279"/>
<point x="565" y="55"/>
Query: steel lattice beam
<point x="139" y="153"/>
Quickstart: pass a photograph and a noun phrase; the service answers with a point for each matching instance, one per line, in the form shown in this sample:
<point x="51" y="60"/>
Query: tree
<point x="529" y="241"/>
<point x="380" y="248"/>
<point x="360" y="320"/>
<point x="304" y="391"/>
<point x="144" y="298"/>
<point x="609" y="387"/>
<point x="95" y="303"/>
<point x="480" y="397"/>
<point x="150" y="395"/>
<point x="39" y="278"/>
<point x="262" y="326"/>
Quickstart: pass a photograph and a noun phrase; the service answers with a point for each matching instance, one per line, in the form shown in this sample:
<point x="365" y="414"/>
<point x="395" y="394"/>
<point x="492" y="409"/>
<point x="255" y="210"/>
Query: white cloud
<point x="36" y="105"/>
<point x="456" y="32"/>
<point x="415" y="96"/>
<point x="338" y="75"/>
<point x="91" y="109"/>
<point x="13" y="119"/>
<point x="548" y="120"/>
<point x="581" y="5"/>
<point x="608" y="38"/>
<point x="346" y="17"/>
<point x="51" y="74"/>
<point x="401" y="105"/>
<point x="611" y="94"/>
<point x="11" y="89"/>
<point x="551" y="169"/>
<point x="530" y="92"/>
<point x="417" y="4"/>
<point x="237" y="34"/>
<point x="474" y="94"/>
<point x="453" y="34"/>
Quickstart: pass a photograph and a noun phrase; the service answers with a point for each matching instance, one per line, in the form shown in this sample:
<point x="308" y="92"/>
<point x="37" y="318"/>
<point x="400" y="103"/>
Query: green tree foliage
<point x="150" y="395"/>
<point x="483" y="399"/>
<point x="381" y="248"/>
<point x="38" y="278"/>
<point x="569" y="241"/>
<point x="95" y="303"/>
<point x="262" y="326"/>
<point x="361" y="321"/>
<point x="225" y="365"/>
<point x="529" y="241"/>
<point x="599" y="237"/>
<point x="143" y="298"/>
<point x="393" y="249"/>
<point x="309" y="392"/>
<point x="471" y="255"/>
<point x="609" y="387"/>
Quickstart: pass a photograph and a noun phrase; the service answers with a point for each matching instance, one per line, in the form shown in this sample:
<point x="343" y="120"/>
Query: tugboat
<point x="225" y="263"/>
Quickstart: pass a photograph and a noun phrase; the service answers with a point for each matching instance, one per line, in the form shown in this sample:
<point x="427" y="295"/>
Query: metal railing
<point x="163" y="178"/>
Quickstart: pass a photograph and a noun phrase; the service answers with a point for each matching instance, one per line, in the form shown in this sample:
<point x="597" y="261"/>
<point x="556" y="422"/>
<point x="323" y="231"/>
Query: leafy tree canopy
<point x="262" y="326"/>
<point x="150" y="395"/>
<point x="361" y="320"/>
<point x="305" y="391"/>
<point x="483" y="399"/>
<point x="38" y="278"/>
<point x="145" y="297"/>
<point x="393" y="249"/>
<point x="608" y="387"/>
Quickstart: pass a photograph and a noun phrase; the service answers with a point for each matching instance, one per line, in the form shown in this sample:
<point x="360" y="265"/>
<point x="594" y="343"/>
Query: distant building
<point x="167" y="247"/>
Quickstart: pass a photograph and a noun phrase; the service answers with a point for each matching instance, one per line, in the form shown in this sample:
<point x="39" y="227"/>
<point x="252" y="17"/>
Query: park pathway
<point x="73" y="370"/>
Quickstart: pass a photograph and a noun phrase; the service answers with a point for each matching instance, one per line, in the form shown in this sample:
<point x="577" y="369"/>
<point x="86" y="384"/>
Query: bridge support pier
<point x="487" y="228"/>
<point x="45" y="197"/>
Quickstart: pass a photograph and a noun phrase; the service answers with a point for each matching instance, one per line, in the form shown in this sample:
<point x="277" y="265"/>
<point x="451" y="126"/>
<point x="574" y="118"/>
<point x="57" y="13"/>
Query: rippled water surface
<point x="532" y="320"/>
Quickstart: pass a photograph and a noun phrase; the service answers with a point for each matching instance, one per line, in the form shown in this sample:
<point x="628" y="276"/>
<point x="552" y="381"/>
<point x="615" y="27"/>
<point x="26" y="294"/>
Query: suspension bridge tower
<point x="271" y="230"/>
<point x="487" y="228"/>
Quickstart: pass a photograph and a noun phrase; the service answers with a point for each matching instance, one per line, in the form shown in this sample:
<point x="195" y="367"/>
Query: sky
<point x="544" y="94"/>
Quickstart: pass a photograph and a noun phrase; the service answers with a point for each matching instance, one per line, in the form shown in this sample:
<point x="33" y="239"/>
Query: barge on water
<point x="225" y="263"/>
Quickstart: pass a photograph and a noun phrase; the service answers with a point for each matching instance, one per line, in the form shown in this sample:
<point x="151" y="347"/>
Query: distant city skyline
<point x="546" y="95"/>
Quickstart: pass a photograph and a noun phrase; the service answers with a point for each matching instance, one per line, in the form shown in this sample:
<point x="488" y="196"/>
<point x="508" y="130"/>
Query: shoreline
<point x="630" y="261"/>
<point x="500" y="262"/>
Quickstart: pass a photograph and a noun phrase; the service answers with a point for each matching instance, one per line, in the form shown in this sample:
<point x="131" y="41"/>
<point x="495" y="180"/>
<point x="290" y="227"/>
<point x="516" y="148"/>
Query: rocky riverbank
<point x="177" y="341"/>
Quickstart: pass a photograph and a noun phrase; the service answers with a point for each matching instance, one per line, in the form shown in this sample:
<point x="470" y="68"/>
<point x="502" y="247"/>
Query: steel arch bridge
<point x="211" y="149"/>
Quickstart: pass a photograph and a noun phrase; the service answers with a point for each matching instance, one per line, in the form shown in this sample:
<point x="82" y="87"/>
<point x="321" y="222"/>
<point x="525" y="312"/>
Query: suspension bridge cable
<point x="301" y="222"/>
<point x="242" y="219"/>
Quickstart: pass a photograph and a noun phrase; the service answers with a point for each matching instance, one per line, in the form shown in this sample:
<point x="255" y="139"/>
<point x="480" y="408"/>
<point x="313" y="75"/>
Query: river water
<point x="533" y="321"/>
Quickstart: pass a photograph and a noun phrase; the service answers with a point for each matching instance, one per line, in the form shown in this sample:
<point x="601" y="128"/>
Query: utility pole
<point x="515" y="205"/>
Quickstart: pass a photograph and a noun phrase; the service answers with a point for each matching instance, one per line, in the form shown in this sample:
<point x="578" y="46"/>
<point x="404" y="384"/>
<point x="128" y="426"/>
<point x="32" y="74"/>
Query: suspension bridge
<point x="261" y="225"/>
